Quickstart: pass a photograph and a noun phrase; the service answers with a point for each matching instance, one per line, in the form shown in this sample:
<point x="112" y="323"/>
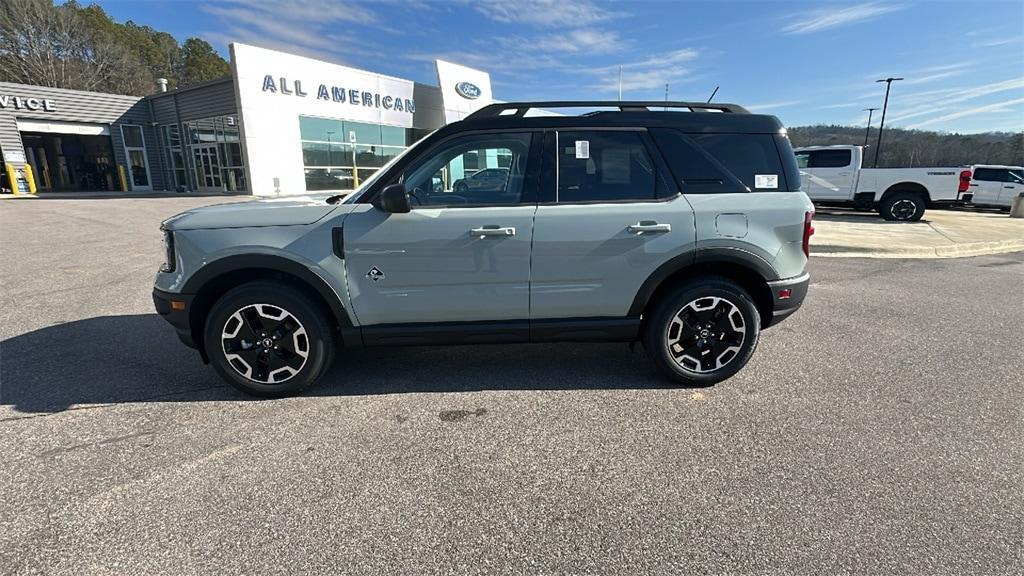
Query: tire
<point x="678" y="350"/>
<point x="277" y="365"/>
<point x="902" y="207"/>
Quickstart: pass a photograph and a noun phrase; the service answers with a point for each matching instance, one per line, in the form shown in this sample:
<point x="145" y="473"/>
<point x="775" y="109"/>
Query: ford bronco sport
<point x="681" y="225"/>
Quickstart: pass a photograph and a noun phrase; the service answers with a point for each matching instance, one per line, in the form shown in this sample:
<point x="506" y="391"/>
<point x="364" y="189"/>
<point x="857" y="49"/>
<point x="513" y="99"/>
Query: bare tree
<point x="52" y="46"/>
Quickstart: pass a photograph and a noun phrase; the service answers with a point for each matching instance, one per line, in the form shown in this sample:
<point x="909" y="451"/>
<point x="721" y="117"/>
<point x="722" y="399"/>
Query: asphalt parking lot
<point x="880" y="430"/>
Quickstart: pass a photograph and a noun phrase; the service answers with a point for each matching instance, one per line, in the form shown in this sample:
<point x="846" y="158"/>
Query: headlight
<point x="168" y="265"/>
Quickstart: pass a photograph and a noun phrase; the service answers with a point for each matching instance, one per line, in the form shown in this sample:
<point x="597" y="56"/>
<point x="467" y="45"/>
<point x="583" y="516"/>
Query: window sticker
<point x="766" y="181"/>
<point x="582" y="149"/>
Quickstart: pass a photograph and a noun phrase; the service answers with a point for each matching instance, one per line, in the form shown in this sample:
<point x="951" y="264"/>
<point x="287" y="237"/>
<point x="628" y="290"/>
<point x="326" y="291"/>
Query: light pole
<point x="867" y="132"/>
<point x="881" y="126"/>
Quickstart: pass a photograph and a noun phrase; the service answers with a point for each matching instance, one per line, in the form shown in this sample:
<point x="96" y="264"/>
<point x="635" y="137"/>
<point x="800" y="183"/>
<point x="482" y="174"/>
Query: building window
<point x="216" y="152"/>
<point x="135" y="152"/>
<point x="339" y="154"/>
<point x="175" y="159"/>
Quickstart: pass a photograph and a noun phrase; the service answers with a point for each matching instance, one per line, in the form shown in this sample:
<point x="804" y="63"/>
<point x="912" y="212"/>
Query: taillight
<point x="965" y="182"/>
<point x="808" y="232"/>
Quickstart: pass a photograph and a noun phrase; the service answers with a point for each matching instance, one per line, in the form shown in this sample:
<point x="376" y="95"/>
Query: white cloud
<point x="310" y="12"/>
<point x="998" y="42"/>
<point x="306" y="27"/>
<point x="649" y="73"/>
<point x="772" y="105"/>
<point x="840" y="105"/>
<point x="546" y="13"/>
<point x="997" y="107"/>
<point x="936" y="101"/>
<point x="913" y="80"/>
<point x="582" y="41"/>
<point x="835" y="16"/>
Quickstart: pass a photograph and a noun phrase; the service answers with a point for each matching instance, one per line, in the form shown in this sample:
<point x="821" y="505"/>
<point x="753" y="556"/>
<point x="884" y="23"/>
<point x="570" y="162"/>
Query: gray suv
<point x="677" y="224"/>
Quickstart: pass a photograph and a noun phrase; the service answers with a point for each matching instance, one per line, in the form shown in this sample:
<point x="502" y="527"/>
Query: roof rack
<point x="520" y="108"/>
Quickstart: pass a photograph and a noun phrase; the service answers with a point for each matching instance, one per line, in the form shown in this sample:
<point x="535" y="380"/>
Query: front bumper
<point x="175" y="309"/>
<point x="787" y="296"/>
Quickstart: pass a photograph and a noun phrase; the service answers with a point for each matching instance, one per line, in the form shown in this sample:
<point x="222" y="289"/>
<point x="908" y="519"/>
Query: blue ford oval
<point x="468" y="90"/>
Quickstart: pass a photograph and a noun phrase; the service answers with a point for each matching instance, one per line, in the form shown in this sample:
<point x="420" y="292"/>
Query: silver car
<point x="683" y="230"/>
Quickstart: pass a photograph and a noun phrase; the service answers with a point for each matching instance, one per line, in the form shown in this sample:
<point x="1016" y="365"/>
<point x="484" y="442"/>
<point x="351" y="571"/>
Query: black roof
<point x="698" y="117"/>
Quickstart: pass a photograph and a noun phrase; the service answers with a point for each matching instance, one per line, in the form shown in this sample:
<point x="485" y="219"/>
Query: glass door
<point x="135" y="151"/>
<point x="207" y="165"/>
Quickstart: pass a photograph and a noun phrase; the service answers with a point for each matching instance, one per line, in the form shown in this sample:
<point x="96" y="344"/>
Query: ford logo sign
<point x="468" y="90"/>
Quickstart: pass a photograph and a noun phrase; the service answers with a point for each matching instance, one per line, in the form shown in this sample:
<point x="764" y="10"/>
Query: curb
<point x="18" y="196"/>
<point x="954" y="251"/>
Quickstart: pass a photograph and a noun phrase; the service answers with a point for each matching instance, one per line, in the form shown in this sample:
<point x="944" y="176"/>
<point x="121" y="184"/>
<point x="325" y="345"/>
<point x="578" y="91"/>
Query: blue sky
<point x="805" y="62"/>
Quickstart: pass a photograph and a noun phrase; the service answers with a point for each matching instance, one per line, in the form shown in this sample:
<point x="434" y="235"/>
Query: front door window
<point x="480" y="170"/>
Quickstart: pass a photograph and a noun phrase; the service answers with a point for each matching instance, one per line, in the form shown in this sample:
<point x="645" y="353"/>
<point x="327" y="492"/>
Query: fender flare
<point x="228" y="264"/>
<point x="718" y="254"/>
<point x="906" y="186"/>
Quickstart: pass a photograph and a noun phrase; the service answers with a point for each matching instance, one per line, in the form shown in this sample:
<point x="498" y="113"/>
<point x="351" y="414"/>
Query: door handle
<point x="1008" y="187"/>
<point x="843" y="174"/>
<point x="648" y="226"/>
<point x="492" y="230"/>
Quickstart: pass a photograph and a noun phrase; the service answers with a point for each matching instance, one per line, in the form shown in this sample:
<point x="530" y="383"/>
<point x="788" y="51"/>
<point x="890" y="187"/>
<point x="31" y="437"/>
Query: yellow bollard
<point x="12" y="178"/>
<point x="124" y="178"/>
<point x="30" y="178"/>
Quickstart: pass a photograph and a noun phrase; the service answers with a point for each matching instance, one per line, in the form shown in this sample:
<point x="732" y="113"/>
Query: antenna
<point x="713" y="94"/>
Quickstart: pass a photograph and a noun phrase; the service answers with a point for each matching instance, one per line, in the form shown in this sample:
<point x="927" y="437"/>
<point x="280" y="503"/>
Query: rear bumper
<point x="785" y="303"/>
<point x="176" y="317"/>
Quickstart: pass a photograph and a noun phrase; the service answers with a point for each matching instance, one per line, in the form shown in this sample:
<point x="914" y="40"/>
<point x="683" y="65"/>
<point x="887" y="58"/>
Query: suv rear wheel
<point x="703" y="332"/>
<point x="268" y="339"/>
<point x="903" y="207"/>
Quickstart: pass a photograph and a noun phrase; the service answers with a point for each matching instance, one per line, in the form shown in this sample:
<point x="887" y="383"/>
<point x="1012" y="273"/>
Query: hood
<point x="291" y="211"/>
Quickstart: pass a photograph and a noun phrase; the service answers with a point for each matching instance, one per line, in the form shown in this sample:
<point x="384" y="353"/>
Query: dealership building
<point x="280" y="124"/>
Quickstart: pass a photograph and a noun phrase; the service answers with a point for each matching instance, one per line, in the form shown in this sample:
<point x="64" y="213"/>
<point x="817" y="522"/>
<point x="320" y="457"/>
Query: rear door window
<point x="604" y="166"/>
<point x="988" y="175"/>
<point x="829" y="158"/>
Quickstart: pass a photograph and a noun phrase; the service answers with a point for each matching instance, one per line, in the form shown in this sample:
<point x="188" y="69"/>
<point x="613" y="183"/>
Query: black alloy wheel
<point x="702" y="332"/>
<point x="903" y="207"/>
<point x="706" y="334"/>
<point x="269" y="338"/>
<point x="265" y="343"/>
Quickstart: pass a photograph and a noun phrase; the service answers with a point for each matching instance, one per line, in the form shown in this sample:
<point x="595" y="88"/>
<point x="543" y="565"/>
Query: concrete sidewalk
<point x="941" y="234"/>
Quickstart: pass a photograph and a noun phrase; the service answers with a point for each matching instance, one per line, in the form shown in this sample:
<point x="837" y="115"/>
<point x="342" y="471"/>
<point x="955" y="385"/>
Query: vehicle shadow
<point x="138" y="195"/>
<point x="857" y="217"/>
<point x="137" y="358"/>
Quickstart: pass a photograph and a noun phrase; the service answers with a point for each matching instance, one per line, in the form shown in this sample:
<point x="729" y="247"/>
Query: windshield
<point x="369" y="182"/>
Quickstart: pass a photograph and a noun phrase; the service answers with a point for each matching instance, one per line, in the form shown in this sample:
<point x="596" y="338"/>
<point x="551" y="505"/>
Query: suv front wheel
<point x="703" y="332"/>
<point x="268" y="339"/>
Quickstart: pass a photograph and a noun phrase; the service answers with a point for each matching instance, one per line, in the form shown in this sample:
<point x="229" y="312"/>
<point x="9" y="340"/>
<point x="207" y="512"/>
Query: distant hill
<point x="908" y="148"/>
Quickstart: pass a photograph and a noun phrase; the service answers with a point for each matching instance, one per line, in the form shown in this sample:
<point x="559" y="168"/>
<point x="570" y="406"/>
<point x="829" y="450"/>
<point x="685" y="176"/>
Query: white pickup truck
<point x="833" y="175"/>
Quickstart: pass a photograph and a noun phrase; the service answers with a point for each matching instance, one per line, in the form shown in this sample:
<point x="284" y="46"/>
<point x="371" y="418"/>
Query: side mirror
<point x="393" y="199"/>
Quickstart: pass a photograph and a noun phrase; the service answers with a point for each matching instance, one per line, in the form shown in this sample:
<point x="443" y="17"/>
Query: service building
<point x="280" y="124"/>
